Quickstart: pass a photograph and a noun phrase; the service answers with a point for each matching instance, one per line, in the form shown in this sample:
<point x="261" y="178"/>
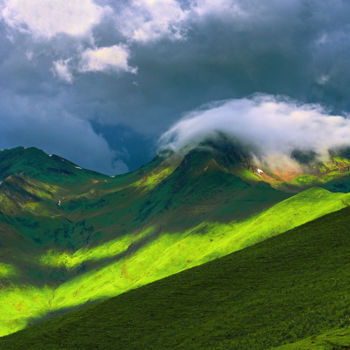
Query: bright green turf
<point x="279" y="291"/>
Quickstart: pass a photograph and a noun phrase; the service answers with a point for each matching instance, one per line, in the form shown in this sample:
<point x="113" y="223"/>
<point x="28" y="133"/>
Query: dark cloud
<point x="297" y="48"/>
<point x="28" y="122"/>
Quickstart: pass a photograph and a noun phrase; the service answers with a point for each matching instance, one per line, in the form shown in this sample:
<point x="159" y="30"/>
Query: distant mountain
<point x="36" y="164"/>
<point x="70" y="236"/>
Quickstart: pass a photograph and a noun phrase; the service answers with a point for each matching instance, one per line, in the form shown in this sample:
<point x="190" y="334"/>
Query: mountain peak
<point x="35" y="163"/>
<point x="301" y="169"/>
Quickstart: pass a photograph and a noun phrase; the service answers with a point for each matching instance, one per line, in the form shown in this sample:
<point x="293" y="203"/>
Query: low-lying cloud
<point x="273" y="126"/>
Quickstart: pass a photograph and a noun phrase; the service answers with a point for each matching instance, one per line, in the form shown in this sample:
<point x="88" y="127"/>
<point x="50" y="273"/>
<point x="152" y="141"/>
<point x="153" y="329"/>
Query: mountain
<point x="70" y="236"/>
<point x="34" y="163"/>
<point x="278" y="291"/>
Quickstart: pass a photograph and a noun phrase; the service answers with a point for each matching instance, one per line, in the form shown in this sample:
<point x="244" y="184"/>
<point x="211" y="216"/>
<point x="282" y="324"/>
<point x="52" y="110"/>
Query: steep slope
<point x="80" y="237"/>
<point x="278" y="291"/>
<point x="335" y="339"/>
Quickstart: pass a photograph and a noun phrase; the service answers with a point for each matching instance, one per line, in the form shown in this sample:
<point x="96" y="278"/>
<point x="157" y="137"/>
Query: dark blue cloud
<point x="299" y="49"/>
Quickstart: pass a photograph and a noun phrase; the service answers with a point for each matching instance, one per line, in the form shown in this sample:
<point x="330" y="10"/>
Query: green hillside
<point x="338" y="339"/>
<point x="70" y="236"/>
<point x="36" y="164"/>
<point x="278" y="291"/>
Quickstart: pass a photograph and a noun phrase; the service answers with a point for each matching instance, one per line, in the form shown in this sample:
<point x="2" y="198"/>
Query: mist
<point x="273" y="126"/>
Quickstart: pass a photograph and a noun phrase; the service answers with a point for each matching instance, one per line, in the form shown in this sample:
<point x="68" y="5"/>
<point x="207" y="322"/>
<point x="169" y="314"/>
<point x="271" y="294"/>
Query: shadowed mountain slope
<point x="70" y="236"/>
<point x="278" y="291"/>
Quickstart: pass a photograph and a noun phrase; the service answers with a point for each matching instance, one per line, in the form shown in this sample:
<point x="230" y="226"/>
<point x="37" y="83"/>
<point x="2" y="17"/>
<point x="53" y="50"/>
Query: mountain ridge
<point x="86" y="236"/>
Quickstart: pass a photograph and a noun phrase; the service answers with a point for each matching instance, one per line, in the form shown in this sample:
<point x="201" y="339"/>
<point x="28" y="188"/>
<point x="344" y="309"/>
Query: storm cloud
<point x="114" y="76"/>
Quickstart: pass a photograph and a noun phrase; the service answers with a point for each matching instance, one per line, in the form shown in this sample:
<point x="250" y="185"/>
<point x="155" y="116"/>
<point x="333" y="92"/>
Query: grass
<point x="138" y="259"/>
<point x="170" y="253"/>
<point x="19" y="305"/>
<point x="7" y="270"/>
<point x="151" y="180"/>
<point x="306" y="180"/>
<point x="81" y="237"/>
<point x="109" y="249"/>
<point x="336" y="339"/>
<point x="279" y="291"/>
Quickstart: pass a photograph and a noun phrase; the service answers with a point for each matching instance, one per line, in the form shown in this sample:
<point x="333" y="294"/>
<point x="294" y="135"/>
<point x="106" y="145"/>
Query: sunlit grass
<point x="20" y="304"/>
<point x="282" y="290"/>
<point x="169" y="253"/>
<point x="109" y="249"/>
<point x="307" y="180"/>
<point x="7" y="270"/>
<point x="248" y="175"/>
<point x="151" y="180"/>
<point x="339" y="159"/>
<point x="174" y="252"/>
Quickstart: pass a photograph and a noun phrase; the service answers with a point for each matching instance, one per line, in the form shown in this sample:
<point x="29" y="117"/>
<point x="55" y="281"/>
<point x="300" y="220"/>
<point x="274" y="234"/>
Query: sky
<point x="100" y="82"/>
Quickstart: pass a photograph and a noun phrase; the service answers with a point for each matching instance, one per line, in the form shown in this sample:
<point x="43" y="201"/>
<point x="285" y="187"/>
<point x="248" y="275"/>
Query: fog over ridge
<point x="274" y="126"/>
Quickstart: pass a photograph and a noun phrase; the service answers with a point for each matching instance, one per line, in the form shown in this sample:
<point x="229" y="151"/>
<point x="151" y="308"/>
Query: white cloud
<point x="209" y="7"/>
<point x="62" y="70"/>
<point x="113" y="58"/>
<point x="273" y="126"/>
<point x="147" y="20"/>
<point x="46" y="18"/>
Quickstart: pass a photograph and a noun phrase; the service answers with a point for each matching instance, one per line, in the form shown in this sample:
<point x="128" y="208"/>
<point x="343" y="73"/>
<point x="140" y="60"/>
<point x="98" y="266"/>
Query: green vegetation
<point x="34" y="163"/>
<point x="20" y="304"/>
<point x="174" y="252"/>
<point x="167" y="253"/>
<point x="338" y="339"/>
<point x="307" y="180"/>
<point x="71" y="236"/>
<point x="282" y="290"/>
<point x="106" y="250"/>
<point x="151" y="180"/>
<point x="7" y="270"/>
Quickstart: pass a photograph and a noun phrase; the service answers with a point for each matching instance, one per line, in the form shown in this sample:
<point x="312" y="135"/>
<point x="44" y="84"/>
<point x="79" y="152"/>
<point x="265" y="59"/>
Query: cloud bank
<point x="149" y="20"/>
<point x="274" y="127"/>
<point x="47" y="18"/>
<point x="131" y="68"/>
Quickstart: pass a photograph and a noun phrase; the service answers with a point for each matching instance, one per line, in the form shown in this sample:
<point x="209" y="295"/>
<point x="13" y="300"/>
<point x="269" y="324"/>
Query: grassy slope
<point x="36" y="164"/>
<point x="335" y="339"/>
<point x="112" y="235"/>
<point x="100" y="222"/>
<point x="278" y="291"/>
<point x="174" y="252"/>
<point x="161" y="256"/>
